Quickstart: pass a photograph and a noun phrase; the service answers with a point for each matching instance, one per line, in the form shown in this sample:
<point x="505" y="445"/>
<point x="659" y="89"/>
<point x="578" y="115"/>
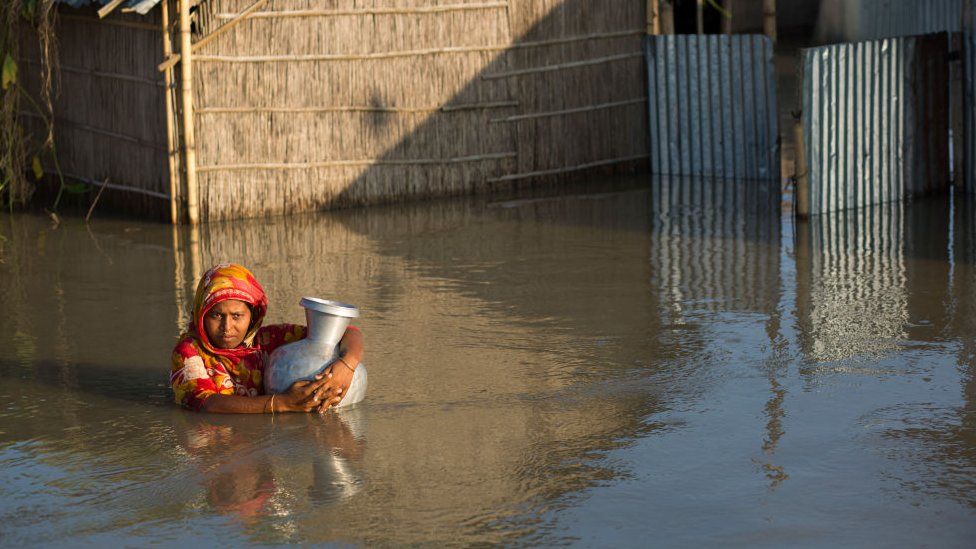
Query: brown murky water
<point x="620" y="368"/>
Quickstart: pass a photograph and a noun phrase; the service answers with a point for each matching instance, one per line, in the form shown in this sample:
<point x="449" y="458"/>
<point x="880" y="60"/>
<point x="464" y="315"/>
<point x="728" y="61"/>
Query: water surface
<point x="679" y="365"/>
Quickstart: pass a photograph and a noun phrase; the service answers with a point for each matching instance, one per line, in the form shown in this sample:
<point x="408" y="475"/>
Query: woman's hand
<point x="339" y="374"/>
<point x="308" y="396"/>
<point x="316" y="395"/>
<point x="338" y="378"/>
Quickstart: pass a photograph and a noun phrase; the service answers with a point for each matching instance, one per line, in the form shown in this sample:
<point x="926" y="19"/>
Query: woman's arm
<point x="302" y="396"/>
<point x="338" y="376"/>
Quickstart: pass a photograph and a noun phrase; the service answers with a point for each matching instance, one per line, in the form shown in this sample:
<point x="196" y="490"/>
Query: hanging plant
<point x="22" y="152"/>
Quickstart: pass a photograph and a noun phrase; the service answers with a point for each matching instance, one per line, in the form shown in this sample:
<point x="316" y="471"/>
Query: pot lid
<point x="326" y="306"/>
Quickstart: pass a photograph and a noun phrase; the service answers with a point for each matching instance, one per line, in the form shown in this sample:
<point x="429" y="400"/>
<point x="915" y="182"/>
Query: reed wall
<point x="109" y="116"/>
<point x="312" y="104"/>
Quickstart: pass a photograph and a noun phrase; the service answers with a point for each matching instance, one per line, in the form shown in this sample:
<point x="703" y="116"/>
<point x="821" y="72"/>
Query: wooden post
<point x="171" y="148"/>
<point x="769" y="19"/>
<point x="667" y="17"/>
<point x="196" y="259"/>
<point x="179" y="282"/>
<point x="653" y="17"/>
<point x="801" y="194"/>
<point x="727" y="21"/>
<point x="189" y="143"/>
<point x="174" y="59"/>
<point x="700" y="17"/>
<point x="108" y="8"/>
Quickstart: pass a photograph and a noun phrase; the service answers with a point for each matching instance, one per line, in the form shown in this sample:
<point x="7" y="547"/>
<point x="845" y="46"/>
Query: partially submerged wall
<point x="312" y="104"/>
<point x="109" y="116"/>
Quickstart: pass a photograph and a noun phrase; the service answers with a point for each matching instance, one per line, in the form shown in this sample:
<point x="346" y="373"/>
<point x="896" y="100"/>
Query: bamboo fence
<point x="310" y="104"/>
<point x="295" y="105"/>
<point x="109" y="114"/>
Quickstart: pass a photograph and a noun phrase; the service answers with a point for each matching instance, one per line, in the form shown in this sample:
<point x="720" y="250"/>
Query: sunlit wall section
<point x="315" y="103"/>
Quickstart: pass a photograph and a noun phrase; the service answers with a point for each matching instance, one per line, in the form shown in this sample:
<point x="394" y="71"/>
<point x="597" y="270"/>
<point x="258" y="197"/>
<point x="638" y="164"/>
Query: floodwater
<point x="630" y="367"/>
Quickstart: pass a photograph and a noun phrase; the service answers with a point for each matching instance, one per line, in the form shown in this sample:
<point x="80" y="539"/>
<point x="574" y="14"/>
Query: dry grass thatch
<point x="109" y="113"/>
<point x="309" y="104"/>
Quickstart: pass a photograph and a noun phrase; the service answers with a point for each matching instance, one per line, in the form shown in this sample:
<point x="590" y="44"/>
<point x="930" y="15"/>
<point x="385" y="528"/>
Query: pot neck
<point x="324" y="330"/>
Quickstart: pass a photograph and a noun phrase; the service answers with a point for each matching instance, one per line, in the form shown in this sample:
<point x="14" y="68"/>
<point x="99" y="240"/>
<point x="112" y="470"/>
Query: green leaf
<point x="28" y="9"/>
<point x="37" y="168"/>
<point x="725" y="13"/>
<point x="76" y="188"/>
<point x="9" y="71"/>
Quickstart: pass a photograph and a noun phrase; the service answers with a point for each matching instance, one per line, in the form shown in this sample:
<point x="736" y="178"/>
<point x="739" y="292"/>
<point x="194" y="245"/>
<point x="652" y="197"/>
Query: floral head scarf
<point x="220" y="283"/>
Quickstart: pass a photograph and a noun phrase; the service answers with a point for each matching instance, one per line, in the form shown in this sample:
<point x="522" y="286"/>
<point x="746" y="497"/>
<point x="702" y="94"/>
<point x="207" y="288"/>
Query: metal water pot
<point x="305" y="358"/>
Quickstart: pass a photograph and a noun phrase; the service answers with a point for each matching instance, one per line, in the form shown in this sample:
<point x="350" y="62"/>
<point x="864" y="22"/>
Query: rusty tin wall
<point x="712" y="106"/>
<point x="875" y="121"/>
<point x="857" y="20"/>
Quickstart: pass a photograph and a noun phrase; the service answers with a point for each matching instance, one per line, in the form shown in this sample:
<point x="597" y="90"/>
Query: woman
<point x="218" y="365"/>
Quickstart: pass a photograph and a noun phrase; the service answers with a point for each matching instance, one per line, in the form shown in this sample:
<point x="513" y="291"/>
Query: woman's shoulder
<point x="279" y="334"/>
<point x="186" y="347"/>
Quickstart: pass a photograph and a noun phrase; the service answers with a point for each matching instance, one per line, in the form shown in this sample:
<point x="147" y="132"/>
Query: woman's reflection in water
<point x="245" y="462"/>
<point x="336" y="466"/>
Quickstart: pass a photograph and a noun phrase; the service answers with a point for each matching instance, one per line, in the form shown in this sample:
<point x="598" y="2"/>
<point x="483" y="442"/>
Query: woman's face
<point x="226" y="323"/>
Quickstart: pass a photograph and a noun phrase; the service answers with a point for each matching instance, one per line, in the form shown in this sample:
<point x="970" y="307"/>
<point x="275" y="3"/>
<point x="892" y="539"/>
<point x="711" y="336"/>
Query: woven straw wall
<point x="319" y="103"/>
<point x="109" y="110"/>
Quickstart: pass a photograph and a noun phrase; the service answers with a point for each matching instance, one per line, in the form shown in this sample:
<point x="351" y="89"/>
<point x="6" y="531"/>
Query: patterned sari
<point x="201" y="370"/>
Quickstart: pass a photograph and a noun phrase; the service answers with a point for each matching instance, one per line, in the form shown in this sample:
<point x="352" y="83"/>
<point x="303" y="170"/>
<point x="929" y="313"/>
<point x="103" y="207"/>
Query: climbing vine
<point x="23" y="153"/>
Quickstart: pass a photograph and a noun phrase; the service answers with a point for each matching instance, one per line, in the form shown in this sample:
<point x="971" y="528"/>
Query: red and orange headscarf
<point x="220" y="283"/>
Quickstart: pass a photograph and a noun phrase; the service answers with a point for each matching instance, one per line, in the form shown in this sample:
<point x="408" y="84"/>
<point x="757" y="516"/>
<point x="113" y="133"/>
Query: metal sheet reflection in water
<point x="852" y="295"/>
<point x="715" y="243"/>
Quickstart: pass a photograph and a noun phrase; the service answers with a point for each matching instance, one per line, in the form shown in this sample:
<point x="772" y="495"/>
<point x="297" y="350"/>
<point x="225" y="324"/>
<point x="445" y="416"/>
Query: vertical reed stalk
<point x="653" y="17"/>
<point x="769" y="19"/>
<point x="700" y="17"/>
<point x="189" y="143"/>
<point x="727" y="21"/>
<point x="801" y="193"/>
<point x="171" y="150"/>
<point x="667" y="17"/>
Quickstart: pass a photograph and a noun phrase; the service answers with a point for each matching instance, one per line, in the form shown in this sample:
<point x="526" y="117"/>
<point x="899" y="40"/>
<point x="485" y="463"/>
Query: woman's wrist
<point x="347" y="363"/>
<point x="281" y="402"/>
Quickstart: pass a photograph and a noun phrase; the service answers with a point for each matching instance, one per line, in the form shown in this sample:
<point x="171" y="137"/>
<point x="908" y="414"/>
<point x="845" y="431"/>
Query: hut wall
<point x="109" y="109"/>
<point x="312" y="104"/>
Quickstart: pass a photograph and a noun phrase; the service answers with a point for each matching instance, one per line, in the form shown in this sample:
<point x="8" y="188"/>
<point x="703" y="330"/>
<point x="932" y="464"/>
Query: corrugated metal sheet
<point x="875" y="121"/>
<point x="859" y="20"/>
<point x="969" y="113"/>
<point x="141" y="7"/>
<point x="712" y="106"/>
